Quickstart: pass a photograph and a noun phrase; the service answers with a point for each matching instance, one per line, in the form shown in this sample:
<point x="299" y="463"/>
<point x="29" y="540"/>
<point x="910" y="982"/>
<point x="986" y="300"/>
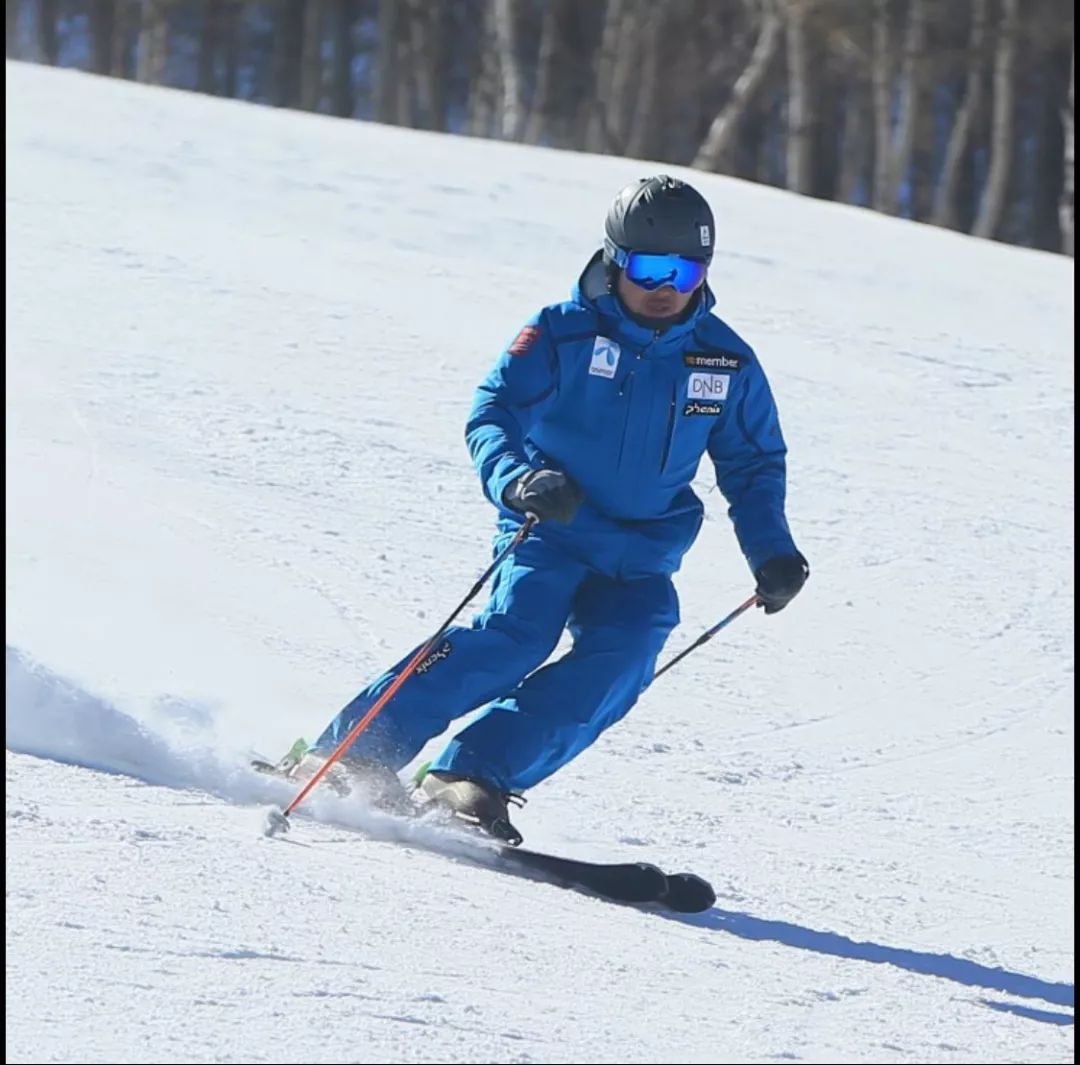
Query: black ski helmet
<point x="661" y="215"/>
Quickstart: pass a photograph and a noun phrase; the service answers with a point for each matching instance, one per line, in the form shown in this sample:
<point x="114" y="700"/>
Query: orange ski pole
<point x="280" y="820"/>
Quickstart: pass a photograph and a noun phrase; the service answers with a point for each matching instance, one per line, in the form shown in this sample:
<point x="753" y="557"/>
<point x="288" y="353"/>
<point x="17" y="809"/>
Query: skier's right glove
<point x="549" y="494"/>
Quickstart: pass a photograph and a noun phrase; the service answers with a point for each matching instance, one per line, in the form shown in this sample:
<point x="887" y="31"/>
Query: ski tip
<point x="275" y="822"/>
<point x="687" y="893"/>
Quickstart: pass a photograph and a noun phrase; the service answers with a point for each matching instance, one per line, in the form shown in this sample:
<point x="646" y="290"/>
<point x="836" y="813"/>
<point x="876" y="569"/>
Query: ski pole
<point x="710" y="633"/>
<point x="280" y="820"/>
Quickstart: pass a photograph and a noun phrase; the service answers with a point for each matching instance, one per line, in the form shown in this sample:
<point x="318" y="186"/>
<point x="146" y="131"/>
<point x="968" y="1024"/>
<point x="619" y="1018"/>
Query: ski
<point x="633" y="883"/>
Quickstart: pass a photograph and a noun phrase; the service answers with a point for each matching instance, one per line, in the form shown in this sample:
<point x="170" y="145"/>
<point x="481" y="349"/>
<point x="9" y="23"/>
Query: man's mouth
<point x="660" y="302"/>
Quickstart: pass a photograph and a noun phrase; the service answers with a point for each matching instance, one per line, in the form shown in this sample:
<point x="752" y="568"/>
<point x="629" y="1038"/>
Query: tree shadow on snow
<point x="946" y="966"/>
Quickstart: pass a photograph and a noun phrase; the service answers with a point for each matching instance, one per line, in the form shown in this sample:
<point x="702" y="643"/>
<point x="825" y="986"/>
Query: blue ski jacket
<point x="628" y="413"/>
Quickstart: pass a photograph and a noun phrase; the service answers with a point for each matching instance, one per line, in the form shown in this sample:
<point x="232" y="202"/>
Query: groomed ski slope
<point x="241" y="346"/>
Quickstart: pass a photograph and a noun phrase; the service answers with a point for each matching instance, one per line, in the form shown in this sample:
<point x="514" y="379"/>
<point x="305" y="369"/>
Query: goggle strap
<point x="619" y="256"/>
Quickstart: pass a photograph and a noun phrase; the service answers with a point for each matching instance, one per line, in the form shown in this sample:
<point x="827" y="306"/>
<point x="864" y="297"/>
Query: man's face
<point x="666" y="302"/>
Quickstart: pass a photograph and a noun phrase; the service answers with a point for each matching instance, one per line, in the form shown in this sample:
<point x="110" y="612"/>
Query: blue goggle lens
<point x="651" y="272"/>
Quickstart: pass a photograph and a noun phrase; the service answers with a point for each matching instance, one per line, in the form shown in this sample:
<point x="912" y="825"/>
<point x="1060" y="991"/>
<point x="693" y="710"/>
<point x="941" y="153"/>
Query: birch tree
<point x="512" y="108"/>
<point x="484" y="84"/>
<point x="311" y="60"/>
<point x="153" y="46"/>
<point x="711" y="155"/>
<point x="612" y="102"/>
<point x="536" y="125"/>
<point x="48" y="40"/>
<point x="893" y="149"/>
<point x="386" y="62"/>
<point x="101" y="19"/>
<point x="1065" y="207"/>
<point x="800" y="103"/>
<point x="945" y="213"/>
<point x="992" y="206"/>
<point x="12" y="38"/>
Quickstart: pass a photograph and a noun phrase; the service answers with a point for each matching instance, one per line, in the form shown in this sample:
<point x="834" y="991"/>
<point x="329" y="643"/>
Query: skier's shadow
<point x="945" y="966"/>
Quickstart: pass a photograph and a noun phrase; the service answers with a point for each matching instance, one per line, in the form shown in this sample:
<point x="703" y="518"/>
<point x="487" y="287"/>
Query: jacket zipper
<point x="670" y="435"/>
<point x="627" y="388"/>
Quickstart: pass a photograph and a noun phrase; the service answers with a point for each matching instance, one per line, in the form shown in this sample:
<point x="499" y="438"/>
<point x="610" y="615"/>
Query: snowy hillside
<point x="241" y="346"/>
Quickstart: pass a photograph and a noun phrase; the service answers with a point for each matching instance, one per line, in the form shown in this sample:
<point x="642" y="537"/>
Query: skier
<point x="593" y="419"/>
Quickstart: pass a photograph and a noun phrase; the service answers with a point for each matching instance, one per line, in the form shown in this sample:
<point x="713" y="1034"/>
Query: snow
<point x="241" y="345"/>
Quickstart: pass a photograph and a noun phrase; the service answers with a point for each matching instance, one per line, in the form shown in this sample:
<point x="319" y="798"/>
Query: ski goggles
<point x="650" y="272"/>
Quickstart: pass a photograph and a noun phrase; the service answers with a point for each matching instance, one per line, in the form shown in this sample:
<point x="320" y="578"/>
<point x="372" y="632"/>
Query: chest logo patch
<point x="697" y="360"/>
<point x="708" y="387"/>
<point x="605" y="358"/>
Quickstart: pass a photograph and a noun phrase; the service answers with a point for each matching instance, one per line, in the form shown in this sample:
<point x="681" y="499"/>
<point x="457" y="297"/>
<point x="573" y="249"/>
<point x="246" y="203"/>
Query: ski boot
<point x="377" y="784"/>
<point x="471" y="800"/>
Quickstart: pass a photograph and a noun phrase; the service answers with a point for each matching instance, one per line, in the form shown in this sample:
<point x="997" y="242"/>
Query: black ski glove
<point x="779" y="580"/>
<point x="549" y="494"/>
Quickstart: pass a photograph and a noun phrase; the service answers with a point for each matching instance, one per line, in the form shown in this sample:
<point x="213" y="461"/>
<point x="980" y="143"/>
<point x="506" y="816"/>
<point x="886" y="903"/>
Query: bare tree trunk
<point x="573" y="83"/>
<point x="747" y="151"/>
<point x="48" y="42"/>
<point x="621" y="96"/>
<point x="1047" y="89"/>
<point x="386" y="87"/>
<point x="125" y="30"/>
<point x="922" y="166"/>
<point x="643" y="138"/>
<point x="425" y="44"/>
<point x="715" y="59"/>
<point x="12" y="38"/>
<point x="944" y="213"/>
<point x="911" y="93"/>
<point x="894" y="152"/>
<point x="801" y="100"/>
<point x="311" y="64"/>
<point x="1001" y="147"/>
<point x="539" y="112"/>
<point x="856" y="166"/>
<point x="438" y="36"/>
<point x="230" y="45"/>
<point x="405" y="65"/>
<point x="711" y="154"/>
<point x="484" y="84"/>
<point x="218" y="32"/>
<point x="1065" y="207"/>
<point x="209" y="39"/>
<point x="101" y="16"/>
<point x="153" y="47"/>
<point x="512" y="109"/>
<point x="341" y="24"/>
<point x="288" y="45"/>
<point x="612" y="104"/>
<point x="882" y="68"/>
<point x="598" y="136"/>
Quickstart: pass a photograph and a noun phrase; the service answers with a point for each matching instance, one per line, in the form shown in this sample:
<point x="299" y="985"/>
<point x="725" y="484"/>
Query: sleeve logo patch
<point x="524" y="340"/>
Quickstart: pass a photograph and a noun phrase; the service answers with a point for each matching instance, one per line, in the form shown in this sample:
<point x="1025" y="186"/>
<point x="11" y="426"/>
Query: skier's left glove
<point x="781" y="579"/>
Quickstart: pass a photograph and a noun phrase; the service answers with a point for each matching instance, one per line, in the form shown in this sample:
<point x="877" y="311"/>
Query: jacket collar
<point x="591" y="291"/>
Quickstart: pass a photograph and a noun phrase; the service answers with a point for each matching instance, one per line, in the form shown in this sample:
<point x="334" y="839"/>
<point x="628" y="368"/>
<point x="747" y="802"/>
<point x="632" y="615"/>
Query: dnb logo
<point x="605" y="357"/>
<point x="708" y="387"/>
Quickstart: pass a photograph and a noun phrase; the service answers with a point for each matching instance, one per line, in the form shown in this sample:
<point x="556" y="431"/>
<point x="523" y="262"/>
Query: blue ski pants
<point x="535" y="719"/>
